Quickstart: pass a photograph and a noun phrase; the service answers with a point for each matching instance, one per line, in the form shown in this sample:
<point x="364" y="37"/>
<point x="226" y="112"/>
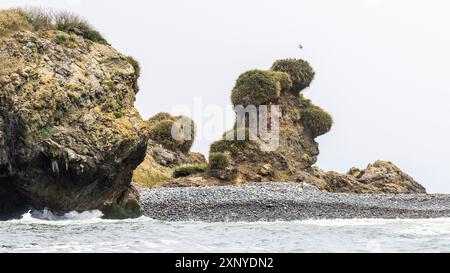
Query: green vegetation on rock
<point x="69" y="102"/>
<point x="66" y="40"/>
<point x="37" y="19"/>
<point x="257" y="87"/>
<point x="162" y="127"/>
<point x="137" y="70"/>
<point x="316" y="120"/>
<point x="47" y="132"/>
<point x="159" y="117"/>
<point x="162" y="134"/>
<point x="300" y="71"/>
<point x="218" y="161"/>
<point x="189" y="169"/>
<point x="12" y="20"/>
<point x="135" y="64"/>
<point x="150" y="174"/>
<point x="231" y="144"/>
<point x="72" y="23"/>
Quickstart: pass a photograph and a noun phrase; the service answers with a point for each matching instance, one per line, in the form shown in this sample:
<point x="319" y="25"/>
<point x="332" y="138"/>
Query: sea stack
<point x="70" y="136"/>
<point x="235" y="161"/>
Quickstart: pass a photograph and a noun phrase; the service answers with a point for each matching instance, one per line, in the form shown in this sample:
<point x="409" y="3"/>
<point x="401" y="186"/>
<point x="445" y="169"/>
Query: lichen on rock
<point x="70" y="136"/>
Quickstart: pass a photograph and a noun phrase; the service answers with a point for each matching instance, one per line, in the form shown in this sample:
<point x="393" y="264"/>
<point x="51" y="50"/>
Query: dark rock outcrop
<point x="70" y="136"/>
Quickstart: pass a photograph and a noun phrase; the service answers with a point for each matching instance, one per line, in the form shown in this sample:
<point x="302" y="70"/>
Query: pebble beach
<point x="284" y="201"/>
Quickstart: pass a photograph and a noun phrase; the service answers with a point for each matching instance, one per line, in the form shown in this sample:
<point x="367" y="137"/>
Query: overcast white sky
<point x="382" y="66"/>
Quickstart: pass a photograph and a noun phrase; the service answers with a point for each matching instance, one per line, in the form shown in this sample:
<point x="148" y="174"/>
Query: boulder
<point x="70" y="136"/>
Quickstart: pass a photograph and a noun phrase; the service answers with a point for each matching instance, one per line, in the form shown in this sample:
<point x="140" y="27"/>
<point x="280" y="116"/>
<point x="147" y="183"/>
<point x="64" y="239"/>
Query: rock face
<point x="164" y="153"/>
<point x="300" y="123"/>
<point x="379" y="177"/>
<point x="70" y="136"/>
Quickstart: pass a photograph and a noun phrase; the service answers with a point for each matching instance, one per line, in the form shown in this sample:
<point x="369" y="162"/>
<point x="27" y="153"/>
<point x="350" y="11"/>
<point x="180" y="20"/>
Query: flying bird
<point x="300" y="46"/>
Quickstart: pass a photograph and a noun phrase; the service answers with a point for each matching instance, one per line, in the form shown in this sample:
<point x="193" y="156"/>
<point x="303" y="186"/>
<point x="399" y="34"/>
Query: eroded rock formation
<point x="379" y="177"/>
<point x="70" y="136"/>
<point x="301" y="122"/>
<point x="166" y="154"/>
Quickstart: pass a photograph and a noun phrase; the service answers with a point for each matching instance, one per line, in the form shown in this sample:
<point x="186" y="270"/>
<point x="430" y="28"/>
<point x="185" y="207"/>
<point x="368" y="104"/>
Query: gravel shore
<point x="284" y="201"/>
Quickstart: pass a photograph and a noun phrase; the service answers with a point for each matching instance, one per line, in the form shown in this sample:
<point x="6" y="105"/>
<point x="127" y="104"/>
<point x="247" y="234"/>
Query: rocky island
<point x="70" y="136"/>
<point x="72" y="140"/>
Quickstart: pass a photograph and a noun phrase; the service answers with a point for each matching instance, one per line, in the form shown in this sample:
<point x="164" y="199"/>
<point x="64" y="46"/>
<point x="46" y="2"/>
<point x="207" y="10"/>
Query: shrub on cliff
<point x="316" y="120"/>
<point x="135" y="64"/>
<point x="300" y="71"/>
<point x="258" y="87"/>
<point x="159" y="117"/>
<point x="12" y="20"/>
<point x="189" y="169"/>
<point x="72" y="23"/>
<point x="162" y="127"/>
<point x="218" y="161"/>
<point x="161" y="133"/>
<point x="137" y="71"/>
<point x="230" y="142"/>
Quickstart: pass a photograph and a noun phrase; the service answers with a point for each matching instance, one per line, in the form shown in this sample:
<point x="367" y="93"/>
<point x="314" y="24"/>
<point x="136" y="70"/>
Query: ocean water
<point x="87" y="232"/>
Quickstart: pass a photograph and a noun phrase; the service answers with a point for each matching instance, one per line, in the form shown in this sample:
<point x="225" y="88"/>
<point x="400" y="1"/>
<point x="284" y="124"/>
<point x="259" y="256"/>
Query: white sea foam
<point x="48" y="215"/>
<point x="45" y="231"/>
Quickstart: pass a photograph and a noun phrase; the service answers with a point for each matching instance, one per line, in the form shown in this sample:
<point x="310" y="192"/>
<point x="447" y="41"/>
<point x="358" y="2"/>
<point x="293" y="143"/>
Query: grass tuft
<point x="12" y="20"/>
<point x="189" y="169"/>
<point x="316" y="120"/>
<point x="256" y="87"/>
<point x="218" y="161"/>
<point x="300" y="71"/>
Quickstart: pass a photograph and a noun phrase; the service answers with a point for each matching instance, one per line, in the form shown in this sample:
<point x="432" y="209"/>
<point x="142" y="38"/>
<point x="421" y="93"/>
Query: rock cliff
<point x="70" y="136"/>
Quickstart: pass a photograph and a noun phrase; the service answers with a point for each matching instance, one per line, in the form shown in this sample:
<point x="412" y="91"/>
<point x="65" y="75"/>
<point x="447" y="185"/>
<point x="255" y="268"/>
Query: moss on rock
<point x="137" y="71"/>
<point x="218" y="161"/>
<point x="256" y="87"/>
<point x="316" y="120"/>
<point x="232" y="144"/>
<point x="189" y="169"/>
<point x="300" y="71"/>
<point x="150" y="174"/>
<point x="173" y="133"/>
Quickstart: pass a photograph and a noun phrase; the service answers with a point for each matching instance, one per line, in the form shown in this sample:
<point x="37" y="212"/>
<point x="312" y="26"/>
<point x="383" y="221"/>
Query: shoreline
<point x="284" y="201"/>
